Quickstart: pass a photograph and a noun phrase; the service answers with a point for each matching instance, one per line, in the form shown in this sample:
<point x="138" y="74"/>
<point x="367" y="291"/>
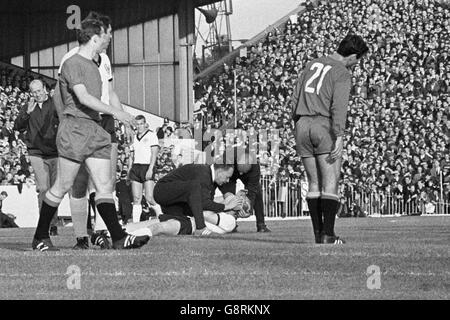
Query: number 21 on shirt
<point x="321" y="71"/>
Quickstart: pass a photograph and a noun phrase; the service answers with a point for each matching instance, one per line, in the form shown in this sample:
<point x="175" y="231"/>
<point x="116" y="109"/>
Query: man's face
<point x="98" y="41"/>
<point x="141" y="126"/>
<point x="223" y="176"/>
<point x="106" y="38"/>
<point x="38" y="91"/>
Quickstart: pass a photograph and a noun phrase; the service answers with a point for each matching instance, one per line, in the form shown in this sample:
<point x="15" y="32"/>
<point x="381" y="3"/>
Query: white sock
<point x="79" y="212"/>
<point x="137" y="211"/>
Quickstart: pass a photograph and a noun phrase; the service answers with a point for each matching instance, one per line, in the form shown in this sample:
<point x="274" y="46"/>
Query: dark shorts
<point x="80" y="138"/>
<point x="138" y="171"/>
<point x="186" y="223"/>
<point x="108" y="124"/>
<point x="314" y="136"/>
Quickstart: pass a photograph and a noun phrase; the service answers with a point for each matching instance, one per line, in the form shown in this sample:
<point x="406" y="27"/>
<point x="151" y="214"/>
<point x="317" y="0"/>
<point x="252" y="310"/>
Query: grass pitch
<point x="412" y="254"/>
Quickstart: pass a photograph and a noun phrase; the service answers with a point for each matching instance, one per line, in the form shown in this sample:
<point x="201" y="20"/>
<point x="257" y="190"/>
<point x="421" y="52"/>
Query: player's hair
<point x="89" y="28"/>
<point x="4" y="193"/>
<point x="140" y="117"/>
<point x="104" y="19"/>
<point x="352" y="44"/>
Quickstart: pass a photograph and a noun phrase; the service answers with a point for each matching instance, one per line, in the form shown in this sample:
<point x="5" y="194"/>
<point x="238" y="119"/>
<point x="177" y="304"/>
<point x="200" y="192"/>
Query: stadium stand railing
<point x="286" y="199"/>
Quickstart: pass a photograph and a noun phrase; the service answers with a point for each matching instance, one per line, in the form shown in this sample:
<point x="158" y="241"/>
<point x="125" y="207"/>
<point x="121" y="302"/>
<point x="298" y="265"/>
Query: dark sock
<point x="108" y="213"/>
<point x="45" y="218"/>
<point x="320" y="216"/>
<point x="314" y="213"/>
<point x="329" y="210"/>
<point x="89" y="221"/>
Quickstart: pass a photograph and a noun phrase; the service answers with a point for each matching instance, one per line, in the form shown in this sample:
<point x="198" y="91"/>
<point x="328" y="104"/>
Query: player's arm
<point x="154" y="142"/>
<point x="209" y="205"/>
<point x="296" y="96"/>
<point x="338" y="111"/>
<point x="93" y="103"/>
<point x="114" y="101"/>
<point x="57" y="100"/>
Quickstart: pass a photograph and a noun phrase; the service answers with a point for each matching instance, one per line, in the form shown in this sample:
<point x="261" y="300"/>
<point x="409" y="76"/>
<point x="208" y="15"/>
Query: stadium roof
<point x="44" y="22"/>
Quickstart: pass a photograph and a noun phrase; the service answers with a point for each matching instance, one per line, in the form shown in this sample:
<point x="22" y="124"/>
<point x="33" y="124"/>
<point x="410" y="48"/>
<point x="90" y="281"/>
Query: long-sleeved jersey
<point x="323" y="88"/>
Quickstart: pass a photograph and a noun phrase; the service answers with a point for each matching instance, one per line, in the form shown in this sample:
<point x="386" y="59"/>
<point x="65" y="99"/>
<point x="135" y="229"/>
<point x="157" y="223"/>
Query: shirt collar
<point x="40" y="104"/>
<point x="213" y="174"/>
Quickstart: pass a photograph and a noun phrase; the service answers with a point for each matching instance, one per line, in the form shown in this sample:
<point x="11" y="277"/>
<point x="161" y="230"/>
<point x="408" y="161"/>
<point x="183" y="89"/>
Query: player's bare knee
<point x="331" y="189"/>
<point x="314" y="187"/>
<point x="103" y="189"/>
<point x="60" y="190"/>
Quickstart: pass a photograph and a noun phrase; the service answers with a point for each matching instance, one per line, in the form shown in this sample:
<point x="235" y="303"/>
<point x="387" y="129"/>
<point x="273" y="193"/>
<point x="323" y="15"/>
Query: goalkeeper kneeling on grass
<point x="219" y="223"/>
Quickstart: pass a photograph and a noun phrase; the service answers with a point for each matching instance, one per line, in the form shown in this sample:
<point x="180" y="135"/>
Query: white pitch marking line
<point x="215" y="273"/>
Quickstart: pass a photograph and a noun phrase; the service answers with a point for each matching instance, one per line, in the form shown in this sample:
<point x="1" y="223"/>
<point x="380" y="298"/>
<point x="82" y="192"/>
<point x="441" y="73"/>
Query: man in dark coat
<point x="39" y="119"/>
<point x="189" y="190"/>
<point x="248" y="171"/>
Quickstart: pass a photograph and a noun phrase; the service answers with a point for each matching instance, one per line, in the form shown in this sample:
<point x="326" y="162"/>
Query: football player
<point x="320" y="104"/>
<point x="219" y="223"/>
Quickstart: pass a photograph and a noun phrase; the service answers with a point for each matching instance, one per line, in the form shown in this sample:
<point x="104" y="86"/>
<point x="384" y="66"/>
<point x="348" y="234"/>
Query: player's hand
<point x="126" y="118"/>
<point x="31" y="105"/>
<point x="235" y="203"/>
<point x="337" y="150"/>
<point x="227" y="195"/>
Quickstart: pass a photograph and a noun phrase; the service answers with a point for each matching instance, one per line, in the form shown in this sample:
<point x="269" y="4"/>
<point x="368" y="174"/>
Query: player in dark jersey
<point x="80" y="139"/>
<point x="320" y="104"/>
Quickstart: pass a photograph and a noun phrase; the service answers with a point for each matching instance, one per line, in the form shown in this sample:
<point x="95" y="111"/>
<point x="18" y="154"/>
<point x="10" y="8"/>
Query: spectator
<point x="6" y="220"/>
<point x="125" y="197"/>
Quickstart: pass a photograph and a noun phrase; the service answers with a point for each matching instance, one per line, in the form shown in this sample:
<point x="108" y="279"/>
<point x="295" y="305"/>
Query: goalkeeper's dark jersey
<point x="323" y="88"/>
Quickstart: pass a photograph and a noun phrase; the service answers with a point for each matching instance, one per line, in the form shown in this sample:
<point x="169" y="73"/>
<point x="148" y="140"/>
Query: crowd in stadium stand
<point x="399" y="115"/>
<point x="15" y="166"/>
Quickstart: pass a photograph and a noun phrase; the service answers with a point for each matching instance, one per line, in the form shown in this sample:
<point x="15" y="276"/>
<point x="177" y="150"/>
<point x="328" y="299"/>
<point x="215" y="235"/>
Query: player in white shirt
<point x="78" y="194"/>
<point x="145" y="148"/>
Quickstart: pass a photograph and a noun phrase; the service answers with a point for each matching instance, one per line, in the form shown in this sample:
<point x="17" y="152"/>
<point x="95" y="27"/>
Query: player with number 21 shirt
<point x="320" y="105"/>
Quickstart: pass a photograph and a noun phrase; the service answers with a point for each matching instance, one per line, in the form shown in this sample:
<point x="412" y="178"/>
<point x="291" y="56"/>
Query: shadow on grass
<point x="234" y="237"/>
<point x="16" y="246"/>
